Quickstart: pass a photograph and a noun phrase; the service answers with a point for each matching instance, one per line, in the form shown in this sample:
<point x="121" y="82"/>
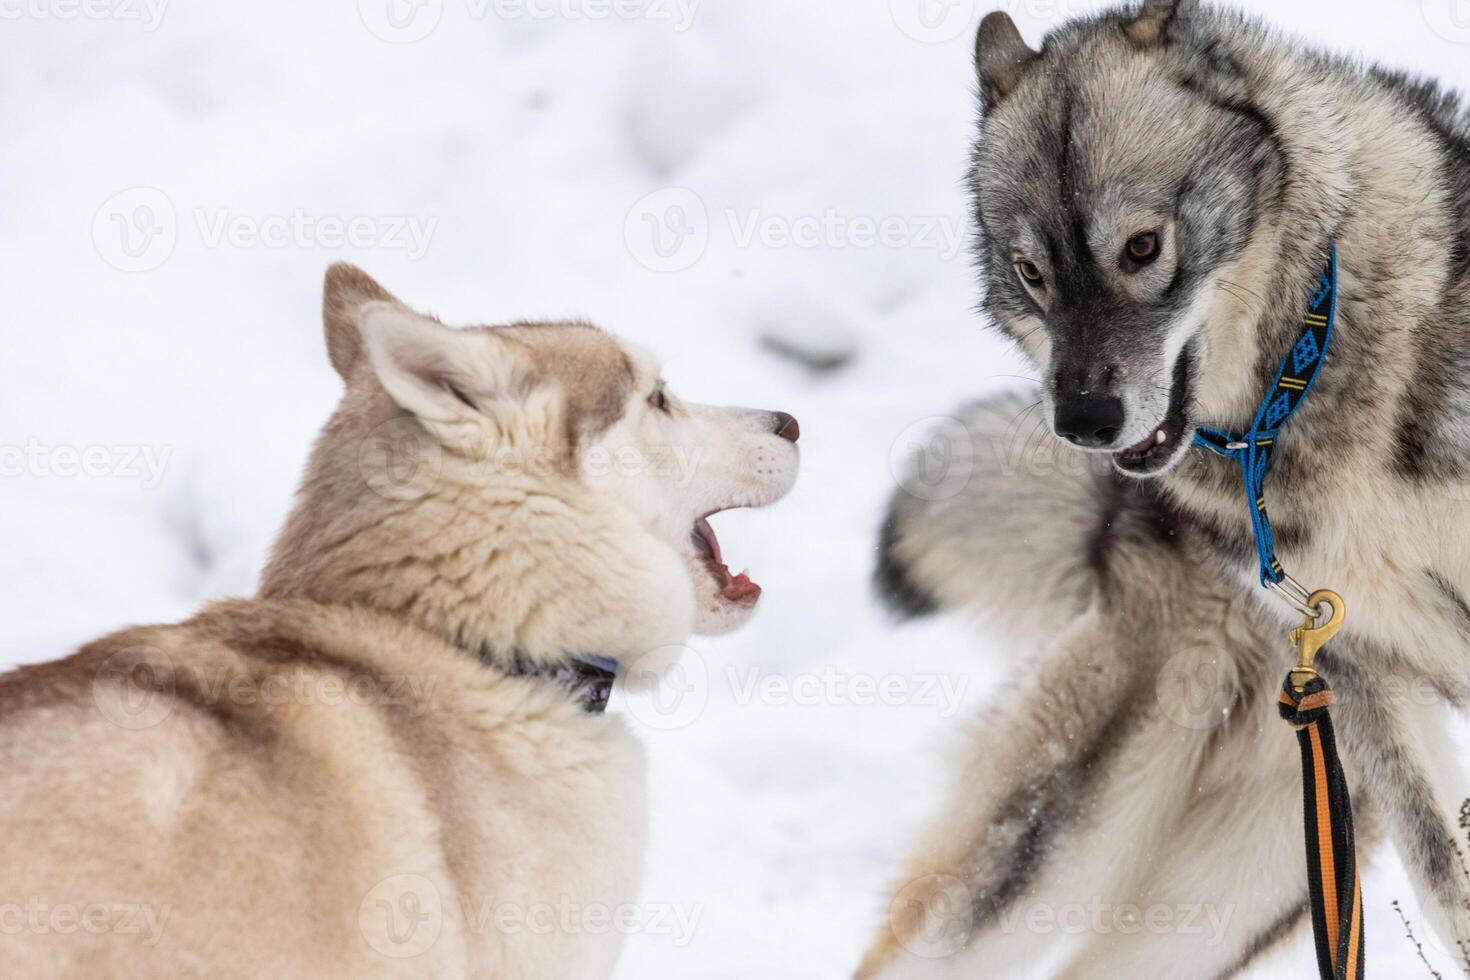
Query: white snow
<point x="801" y="164"/>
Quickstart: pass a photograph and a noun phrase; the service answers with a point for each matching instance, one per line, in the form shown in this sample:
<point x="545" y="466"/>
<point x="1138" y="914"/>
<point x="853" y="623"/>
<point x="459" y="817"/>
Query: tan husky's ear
<point x="436" y="372"/>
<point x="348" y="289"/>
<point x="1155" y="19"/>
<point x="1001" y="57"/>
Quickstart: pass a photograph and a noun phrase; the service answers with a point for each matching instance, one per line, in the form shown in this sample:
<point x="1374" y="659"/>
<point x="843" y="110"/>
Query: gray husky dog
<point x="1156" y="191"/>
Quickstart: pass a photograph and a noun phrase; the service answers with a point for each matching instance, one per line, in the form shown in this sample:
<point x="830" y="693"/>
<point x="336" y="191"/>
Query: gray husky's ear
<point x="348" y="289"/>
<point x="1155" y="19"/>
<point x="1001" y="57"/>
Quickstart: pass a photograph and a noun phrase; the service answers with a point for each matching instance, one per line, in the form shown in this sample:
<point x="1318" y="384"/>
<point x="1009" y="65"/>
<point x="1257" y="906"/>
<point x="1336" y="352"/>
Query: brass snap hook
<point x="1310" y="638"/>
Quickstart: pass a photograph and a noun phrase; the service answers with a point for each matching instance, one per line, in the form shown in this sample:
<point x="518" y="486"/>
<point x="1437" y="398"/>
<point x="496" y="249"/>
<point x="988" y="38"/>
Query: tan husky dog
<point x="379" y="766"/>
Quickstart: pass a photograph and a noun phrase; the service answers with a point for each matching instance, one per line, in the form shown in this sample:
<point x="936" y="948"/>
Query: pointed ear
<point x="1154" y="20"/>
<point x="430" y="370"/>
<point x="348" y="289"/>
<point x="1001" y="57"/>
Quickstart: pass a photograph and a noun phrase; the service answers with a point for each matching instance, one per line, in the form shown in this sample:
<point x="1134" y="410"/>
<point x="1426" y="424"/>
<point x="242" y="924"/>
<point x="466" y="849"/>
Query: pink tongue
<point x="735" y="588"/>
<point x="740" y="588"/>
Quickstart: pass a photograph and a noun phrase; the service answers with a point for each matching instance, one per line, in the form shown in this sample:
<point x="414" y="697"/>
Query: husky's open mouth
<point x="1158" y="452"/>
<point x="737" y="589"/>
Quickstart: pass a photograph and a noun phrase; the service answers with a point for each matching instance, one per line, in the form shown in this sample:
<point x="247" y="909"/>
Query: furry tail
<point x="998" y="516"/>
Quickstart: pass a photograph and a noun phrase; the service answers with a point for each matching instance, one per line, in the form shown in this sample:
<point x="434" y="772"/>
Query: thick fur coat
<point x="369" y="769"/>
<point x="1156" y="190"/>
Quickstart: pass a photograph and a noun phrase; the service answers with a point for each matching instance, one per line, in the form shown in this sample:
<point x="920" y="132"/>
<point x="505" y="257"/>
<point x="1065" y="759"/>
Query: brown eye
<point x="1030" y="273"/>
<point x="1143" y="249"/>
<point x="659" y="400"/>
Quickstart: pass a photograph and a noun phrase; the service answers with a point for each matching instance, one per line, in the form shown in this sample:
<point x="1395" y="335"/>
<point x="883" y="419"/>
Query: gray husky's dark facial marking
<point x="1119" y="171"/>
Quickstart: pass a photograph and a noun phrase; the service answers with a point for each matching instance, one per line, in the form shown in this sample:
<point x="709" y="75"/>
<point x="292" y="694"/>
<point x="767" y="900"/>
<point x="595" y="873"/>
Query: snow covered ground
<point x="175" y="176"/>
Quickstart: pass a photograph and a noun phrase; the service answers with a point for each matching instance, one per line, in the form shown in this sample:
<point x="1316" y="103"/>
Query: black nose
<point x="787" y="427"/>
<point x="1092" y="421"/>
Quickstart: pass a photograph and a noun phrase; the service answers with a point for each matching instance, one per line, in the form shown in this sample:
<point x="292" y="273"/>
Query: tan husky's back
<point x="193" y="800"/>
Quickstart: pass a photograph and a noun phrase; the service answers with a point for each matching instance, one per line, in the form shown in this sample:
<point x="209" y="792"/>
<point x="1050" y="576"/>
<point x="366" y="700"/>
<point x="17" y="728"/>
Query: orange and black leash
<point x="1332" y="866"/>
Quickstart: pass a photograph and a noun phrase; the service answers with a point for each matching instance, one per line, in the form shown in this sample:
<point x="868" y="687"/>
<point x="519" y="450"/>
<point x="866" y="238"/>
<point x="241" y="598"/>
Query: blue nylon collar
<point x="1256" y="448"/>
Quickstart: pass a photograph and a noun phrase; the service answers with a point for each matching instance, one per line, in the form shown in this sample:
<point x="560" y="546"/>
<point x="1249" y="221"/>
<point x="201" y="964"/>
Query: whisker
<point x="1248" y="291"/>
<point x="1026" y="336"/>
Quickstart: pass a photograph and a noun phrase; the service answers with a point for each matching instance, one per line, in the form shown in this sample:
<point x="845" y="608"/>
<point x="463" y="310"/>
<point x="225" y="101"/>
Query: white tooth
<point x="1160" y="437"/>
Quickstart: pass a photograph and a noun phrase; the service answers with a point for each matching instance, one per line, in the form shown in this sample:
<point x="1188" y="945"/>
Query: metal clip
<point x="1310" y="637"/>
<point x="1296" y="595"/>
